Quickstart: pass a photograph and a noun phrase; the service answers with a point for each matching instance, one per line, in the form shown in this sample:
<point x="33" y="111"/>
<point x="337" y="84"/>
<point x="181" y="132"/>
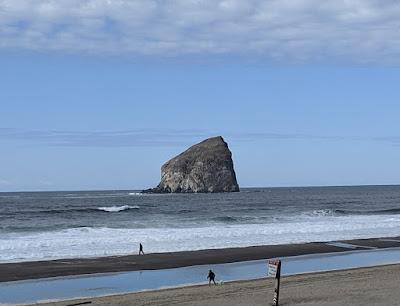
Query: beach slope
<point x="364" y="286"/>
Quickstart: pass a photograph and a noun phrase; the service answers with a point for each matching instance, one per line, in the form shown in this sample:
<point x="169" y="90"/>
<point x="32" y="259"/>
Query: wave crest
<point x="348" y="212"/>
<point x="117" y="208"/>
<point x="323" y="212"/>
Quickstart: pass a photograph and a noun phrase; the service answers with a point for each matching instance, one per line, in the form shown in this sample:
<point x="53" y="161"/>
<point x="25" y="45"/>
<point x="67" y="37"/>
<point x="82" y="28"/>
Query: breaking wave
<point x="117" y="208"/>
<point x="93" y="242"/>
<point x="345" y="212"/>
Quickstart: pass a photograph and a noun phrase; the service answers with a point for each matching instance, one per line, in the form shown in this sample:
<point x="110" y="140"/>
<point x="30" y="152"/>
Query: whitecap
<point x="94" y="242"/>
<point x="319" y="213"/>
<point x="117" y="208"/>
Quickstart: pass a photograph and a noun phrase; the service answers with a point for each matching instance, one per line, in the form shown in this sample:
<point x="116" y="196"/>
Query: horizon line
<point x="246" y="187"/>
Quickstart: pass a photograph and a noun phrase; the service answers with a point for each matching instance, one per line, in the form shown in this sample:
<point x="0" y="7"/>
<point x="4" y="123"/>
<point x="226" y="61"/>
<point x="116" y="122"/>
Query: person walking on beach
<point x="141" y="249"/>
<point x="211" y="277"/>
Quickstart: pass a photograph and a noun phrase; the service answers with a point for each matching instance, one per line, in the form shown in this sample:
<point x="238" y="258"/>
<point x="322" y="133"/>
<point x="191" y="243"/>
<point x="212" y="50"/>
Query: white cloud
<point x="310" y="30"/>
<point x="164" y="137"/>
<point x="4" y="182"/>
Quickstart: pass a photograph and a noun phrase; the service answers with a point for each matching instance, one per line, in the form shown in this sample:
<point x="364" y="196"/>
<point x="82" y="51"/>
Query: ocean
<point x="52" y="225"/>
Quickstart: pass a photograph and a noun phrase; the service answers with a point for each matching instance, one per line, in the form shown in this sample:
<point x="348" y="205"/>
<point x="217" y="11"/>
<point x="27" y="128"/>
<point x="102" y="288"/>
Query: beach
<point x="68" y="245"/>
<point x="199" y="152"/>
<point x="364" y="286"/>
<point x="156" y="261"/>
<point x="238" y="270"/>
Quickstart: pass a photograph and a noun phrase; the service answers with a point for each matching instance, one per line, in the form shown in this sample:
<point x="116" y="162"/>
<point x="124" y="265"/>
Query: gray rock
<point x="204" y="167"/>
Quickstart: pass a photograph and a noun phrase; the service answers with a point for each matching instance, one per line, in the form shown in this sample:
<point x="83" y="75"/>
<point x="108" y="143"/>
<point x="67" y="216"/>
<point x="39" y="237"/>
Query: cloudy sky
<point x="99" y="93"/>
<point x="300" y="30"/>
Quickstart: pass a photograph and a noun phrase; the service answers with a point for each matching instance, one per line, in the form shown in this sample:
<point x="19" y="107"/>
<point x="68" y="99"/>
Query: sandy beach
<point x="155" y="261"/>
<point x="365" y="286"/>
<point x="361" y="286"/>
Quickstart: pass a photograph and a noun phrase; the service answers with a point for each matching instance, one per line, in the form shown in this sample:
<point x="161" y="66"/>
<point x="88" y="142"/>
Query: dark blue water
<point x="44" y="225"/>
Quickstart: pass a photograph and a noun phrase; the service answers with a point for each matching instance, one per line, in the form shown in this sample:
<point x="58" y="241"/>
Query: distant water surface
<point x="48" y="225"/>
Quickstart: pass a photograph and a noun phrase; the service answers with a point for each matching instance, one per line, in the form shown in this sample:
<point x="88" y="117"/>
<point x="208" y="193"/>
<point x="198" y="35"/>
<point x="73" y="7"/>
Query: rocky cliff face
<point x="204" y="167"/>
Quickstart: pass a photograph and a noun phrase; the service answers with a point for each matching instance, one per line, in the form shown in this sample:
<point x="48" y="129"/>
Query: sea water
<point x="31" y="291"/>
<point x="50" y="225"/>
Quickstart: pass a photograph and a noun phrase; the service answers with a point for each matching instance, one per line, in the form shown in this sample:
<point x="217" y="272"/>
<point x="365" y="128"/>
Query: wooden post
<point x="274" y="270"/>
<point x="277" y="284"/>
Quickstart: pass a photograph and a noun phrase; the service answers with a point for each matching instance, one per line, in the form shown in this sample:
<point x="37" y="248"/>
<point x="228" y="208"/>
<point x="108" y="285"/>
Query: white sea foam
<point x="117" y="208"/>
<point x="317" y="213"/>
<point x="91" y="242"/>
<point x="135" y="193"/>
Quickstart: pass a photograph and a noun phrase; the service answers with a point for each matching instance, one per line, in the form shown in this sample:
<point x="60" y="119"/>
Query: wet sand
<point x="364" y="286"/>
<point x="67" y="267"/>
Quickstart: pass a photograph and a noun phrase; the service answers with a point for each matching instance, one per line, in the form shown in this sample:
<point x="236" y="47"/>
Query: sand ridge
<point x="154" y="261"/>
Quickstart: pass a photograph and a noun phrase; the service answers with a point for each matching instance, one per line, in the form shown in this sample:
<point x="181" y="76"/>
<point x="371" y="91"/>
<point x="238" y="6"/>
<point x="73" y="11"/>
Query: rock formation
<point x="204" y="167"/>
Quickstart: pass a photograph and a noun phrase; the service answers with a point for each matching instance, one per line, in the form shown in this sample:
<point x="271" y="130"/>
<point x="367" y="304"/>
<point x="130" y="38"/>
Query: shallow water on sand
<point x="31" y="291"/>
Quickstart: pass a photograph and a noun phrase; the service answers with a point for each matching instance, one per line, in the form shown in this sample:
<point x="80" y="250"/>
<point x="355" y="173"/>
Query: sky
<point x="98" y="94"/>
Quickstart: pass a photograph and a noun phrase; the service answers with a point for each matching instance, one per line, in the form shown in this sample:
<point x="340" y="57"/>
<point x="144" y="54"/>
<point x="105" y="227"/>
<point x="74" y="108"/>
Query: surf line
<point x="350" y="246"/>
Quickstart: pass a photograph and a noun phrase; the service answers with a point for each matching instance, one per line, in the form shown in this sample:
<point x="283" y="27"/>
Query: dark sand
<point x="65" y="267"/>
<point x="364" y="287"/>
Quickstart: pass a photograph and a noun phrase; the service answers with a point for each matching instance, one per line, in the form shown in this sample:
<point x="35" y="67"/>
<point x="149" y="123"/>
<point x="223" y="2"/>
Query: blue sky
<point x="83" y="109"/>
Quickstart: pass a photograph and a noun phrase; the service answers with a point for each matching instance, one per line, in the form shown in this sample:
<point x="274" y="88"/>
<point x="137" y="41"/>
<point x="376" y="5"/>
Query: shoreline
<point x="340" y="287"/>
<point x="155" y="261"/>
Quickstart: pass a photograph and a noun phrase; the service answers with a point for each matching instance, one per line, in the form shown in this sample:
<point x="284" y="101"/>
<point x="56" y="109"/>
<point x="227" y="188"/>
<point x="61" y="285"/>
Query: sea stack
<point x="205" y="167"/>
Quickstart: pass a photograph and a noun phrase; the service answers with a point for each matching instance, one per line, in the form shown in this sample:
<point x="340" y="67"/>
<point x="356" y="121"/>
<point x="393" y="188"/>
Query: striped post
<point x="274" y="270"/>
